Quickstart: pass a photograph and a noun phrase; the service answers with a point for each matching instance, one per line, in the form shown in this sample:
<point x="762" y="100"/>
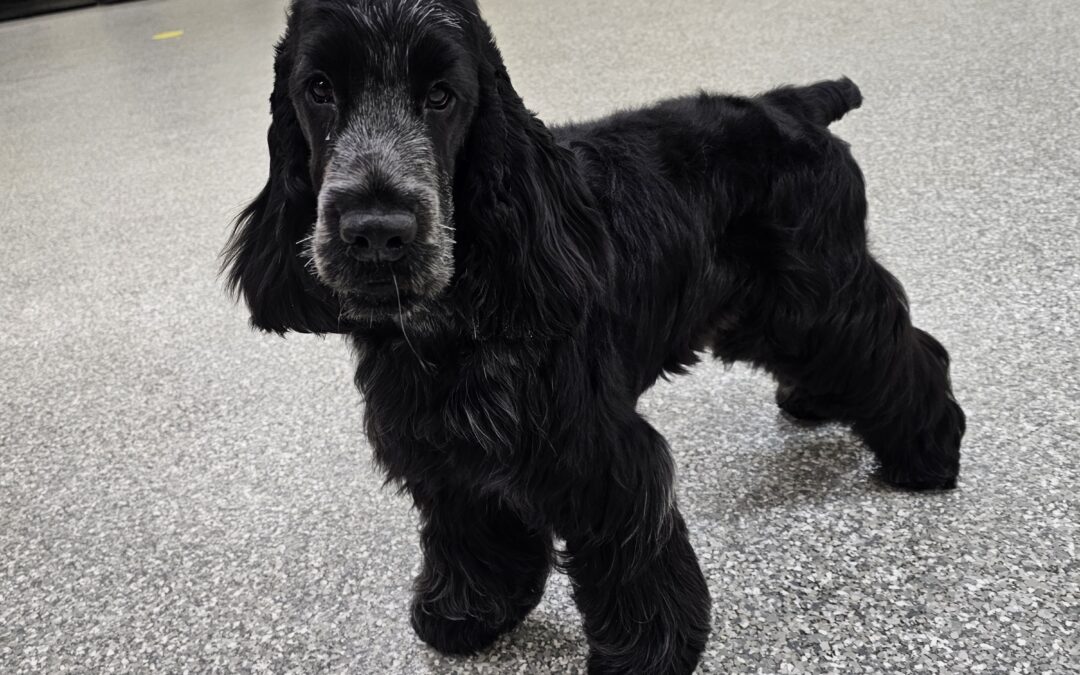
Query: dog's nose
<point x="378" y="235"/>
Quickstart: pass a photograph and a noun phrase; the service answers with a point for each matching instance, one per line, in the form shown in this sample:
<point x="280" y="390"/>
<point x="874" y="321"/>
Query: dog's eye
<point x="438" y="97"/>
<point x="321" y="91"/>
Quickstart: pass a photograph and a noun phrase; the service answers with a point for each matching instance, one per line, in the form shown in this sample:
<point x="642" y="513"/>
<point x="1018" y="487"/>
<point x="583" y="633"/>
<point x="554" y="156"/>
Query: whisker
<point x="401" y="320"/>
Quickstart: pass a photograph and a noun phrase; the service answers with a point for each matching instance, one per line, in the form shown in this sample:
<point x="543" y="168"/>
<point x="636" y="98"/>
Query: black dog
<point x="511" y="290"/>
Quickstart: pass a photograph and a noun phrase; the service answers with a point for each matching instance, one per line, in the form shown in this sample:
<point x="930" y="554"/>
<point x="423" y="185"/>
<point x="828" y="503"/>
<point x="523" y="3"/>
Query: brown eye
<point x="438" y="98"/>
<point x="321" y="91"/>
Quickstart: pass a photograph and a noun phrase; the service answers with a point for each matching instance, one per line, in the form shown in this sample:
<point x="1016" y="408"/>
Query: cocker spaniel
<point x="511" y="289"/>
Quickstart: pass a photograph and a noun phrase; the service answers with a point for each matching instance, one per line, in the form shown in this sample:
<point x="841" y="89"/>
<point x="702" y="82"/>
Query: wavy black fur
<point x="588" y="261"/>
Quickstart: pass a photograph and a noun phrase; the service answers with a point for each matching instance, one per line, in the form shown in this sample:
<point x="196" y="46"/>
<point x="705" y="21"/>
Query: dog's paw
<point x="932" y="460"/>
<point x="464" y="634"/>
<point x="933" y="468"/>
<point x="680" y="660"/>
<point x="799" y="406"/>
<point x="919" y="482"/>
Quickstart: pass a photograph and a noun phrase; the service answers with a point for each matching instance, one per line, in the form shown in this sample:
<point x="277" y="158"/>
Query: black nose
<point x="378" y="235"/>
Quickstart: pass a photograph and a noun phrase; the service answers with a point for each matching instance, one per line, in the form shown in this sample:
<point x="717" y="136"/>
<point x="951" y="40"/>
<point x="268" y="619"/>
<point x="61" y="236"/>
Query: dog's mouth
<point x="378" y="285"/>
<point x="381" y="286"/>
<point x="379" y="301"/>
<point x="373" y="293"/>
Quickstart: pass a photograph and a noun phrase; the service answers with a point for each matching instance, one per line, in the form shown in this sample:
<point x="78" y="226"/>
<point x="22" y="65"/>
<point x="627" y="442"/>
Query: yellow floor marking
<point x="169" y="34"/>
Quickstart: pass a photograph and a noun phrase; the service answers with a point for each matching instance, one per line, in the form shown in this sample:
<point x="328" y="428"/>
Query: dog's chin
<point x="373" y="301"/>
<point x="370" y="294"/>
<point x="378" y="303"/>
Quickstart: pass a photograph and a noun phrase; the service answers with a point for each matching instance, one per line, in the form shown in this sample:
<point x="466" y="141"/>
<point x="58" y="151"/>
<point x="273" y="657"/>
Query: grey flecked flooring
<point x="177" y="493"/>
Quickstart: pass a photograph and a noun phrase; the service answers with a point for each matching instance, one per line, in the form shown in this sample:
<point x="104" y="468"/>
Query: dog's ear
<point x="265" y="258"/>
<point x="532" y="251"/>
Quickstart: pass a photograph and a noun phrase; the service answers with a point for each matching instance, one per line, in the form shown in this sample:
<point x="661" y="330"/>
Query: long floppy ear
<point x="532" y="250"/>
<point x="264" y="258"/>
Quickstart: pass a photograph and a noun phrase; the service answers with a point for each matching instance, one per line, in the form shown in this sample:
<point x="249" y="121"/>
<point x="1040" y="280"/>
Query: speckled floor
<point x="177" y="493"/>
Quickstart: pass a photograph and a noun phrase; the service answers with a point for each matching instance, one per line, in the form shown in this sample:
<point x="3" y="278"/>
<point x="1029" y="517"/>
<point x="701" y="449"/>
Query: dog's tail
<point x="822" y="102"/>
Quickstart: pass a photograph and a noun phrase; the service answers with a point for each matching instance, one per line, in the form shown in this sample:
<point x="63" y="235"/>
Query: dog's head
<point x="406" y="177"/>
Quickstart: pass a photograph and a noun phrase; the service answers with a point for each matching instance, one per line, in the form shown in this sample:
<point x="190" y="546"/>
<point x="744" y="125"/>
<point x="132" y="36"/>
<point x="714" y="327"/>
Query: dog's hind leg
<point x="852" y="354"/>
<point x="801" y="296"/>
<point x="483" y="570"/>
<point x="636" y="578"/>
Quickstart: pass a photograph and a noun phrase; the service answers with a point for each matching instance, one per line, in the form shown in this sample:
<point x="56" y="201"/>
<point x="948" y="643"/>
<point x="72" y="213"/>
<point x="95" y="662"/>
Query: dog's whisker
<point x="401" y="321"/>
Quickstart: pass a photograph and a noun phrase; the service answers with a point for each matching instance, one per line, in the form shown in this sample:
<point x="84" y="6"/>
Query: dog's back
<point x="685" y="186"/>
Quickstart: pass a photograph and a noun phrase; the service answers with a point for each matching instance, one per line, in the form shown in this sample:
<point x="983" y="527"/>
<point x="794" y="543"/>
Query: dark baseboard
<point x="15" y="9"/>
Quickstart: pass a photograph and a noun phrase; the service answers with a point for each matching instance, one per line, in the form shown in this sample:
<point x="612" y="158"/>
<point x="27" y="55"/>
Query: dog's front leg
<point x="483" y="569"/>
<point x="636" y="579"/>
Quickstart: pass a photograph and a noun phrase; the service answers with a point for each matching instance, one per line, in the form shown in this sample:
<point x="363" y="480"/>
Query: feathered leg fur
<point x="483" y="570"/>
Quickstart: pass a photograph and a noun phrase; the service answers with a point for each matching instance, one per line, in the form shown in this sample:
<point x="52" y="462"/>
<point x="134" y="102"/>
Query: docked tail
<point x="822" y="102"/>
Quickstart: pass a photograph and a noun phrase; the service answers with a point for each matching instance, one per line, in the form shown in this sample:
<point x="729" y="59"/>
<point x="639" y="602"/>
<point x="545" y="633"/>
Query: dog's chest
<point x="451" y="405"/>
